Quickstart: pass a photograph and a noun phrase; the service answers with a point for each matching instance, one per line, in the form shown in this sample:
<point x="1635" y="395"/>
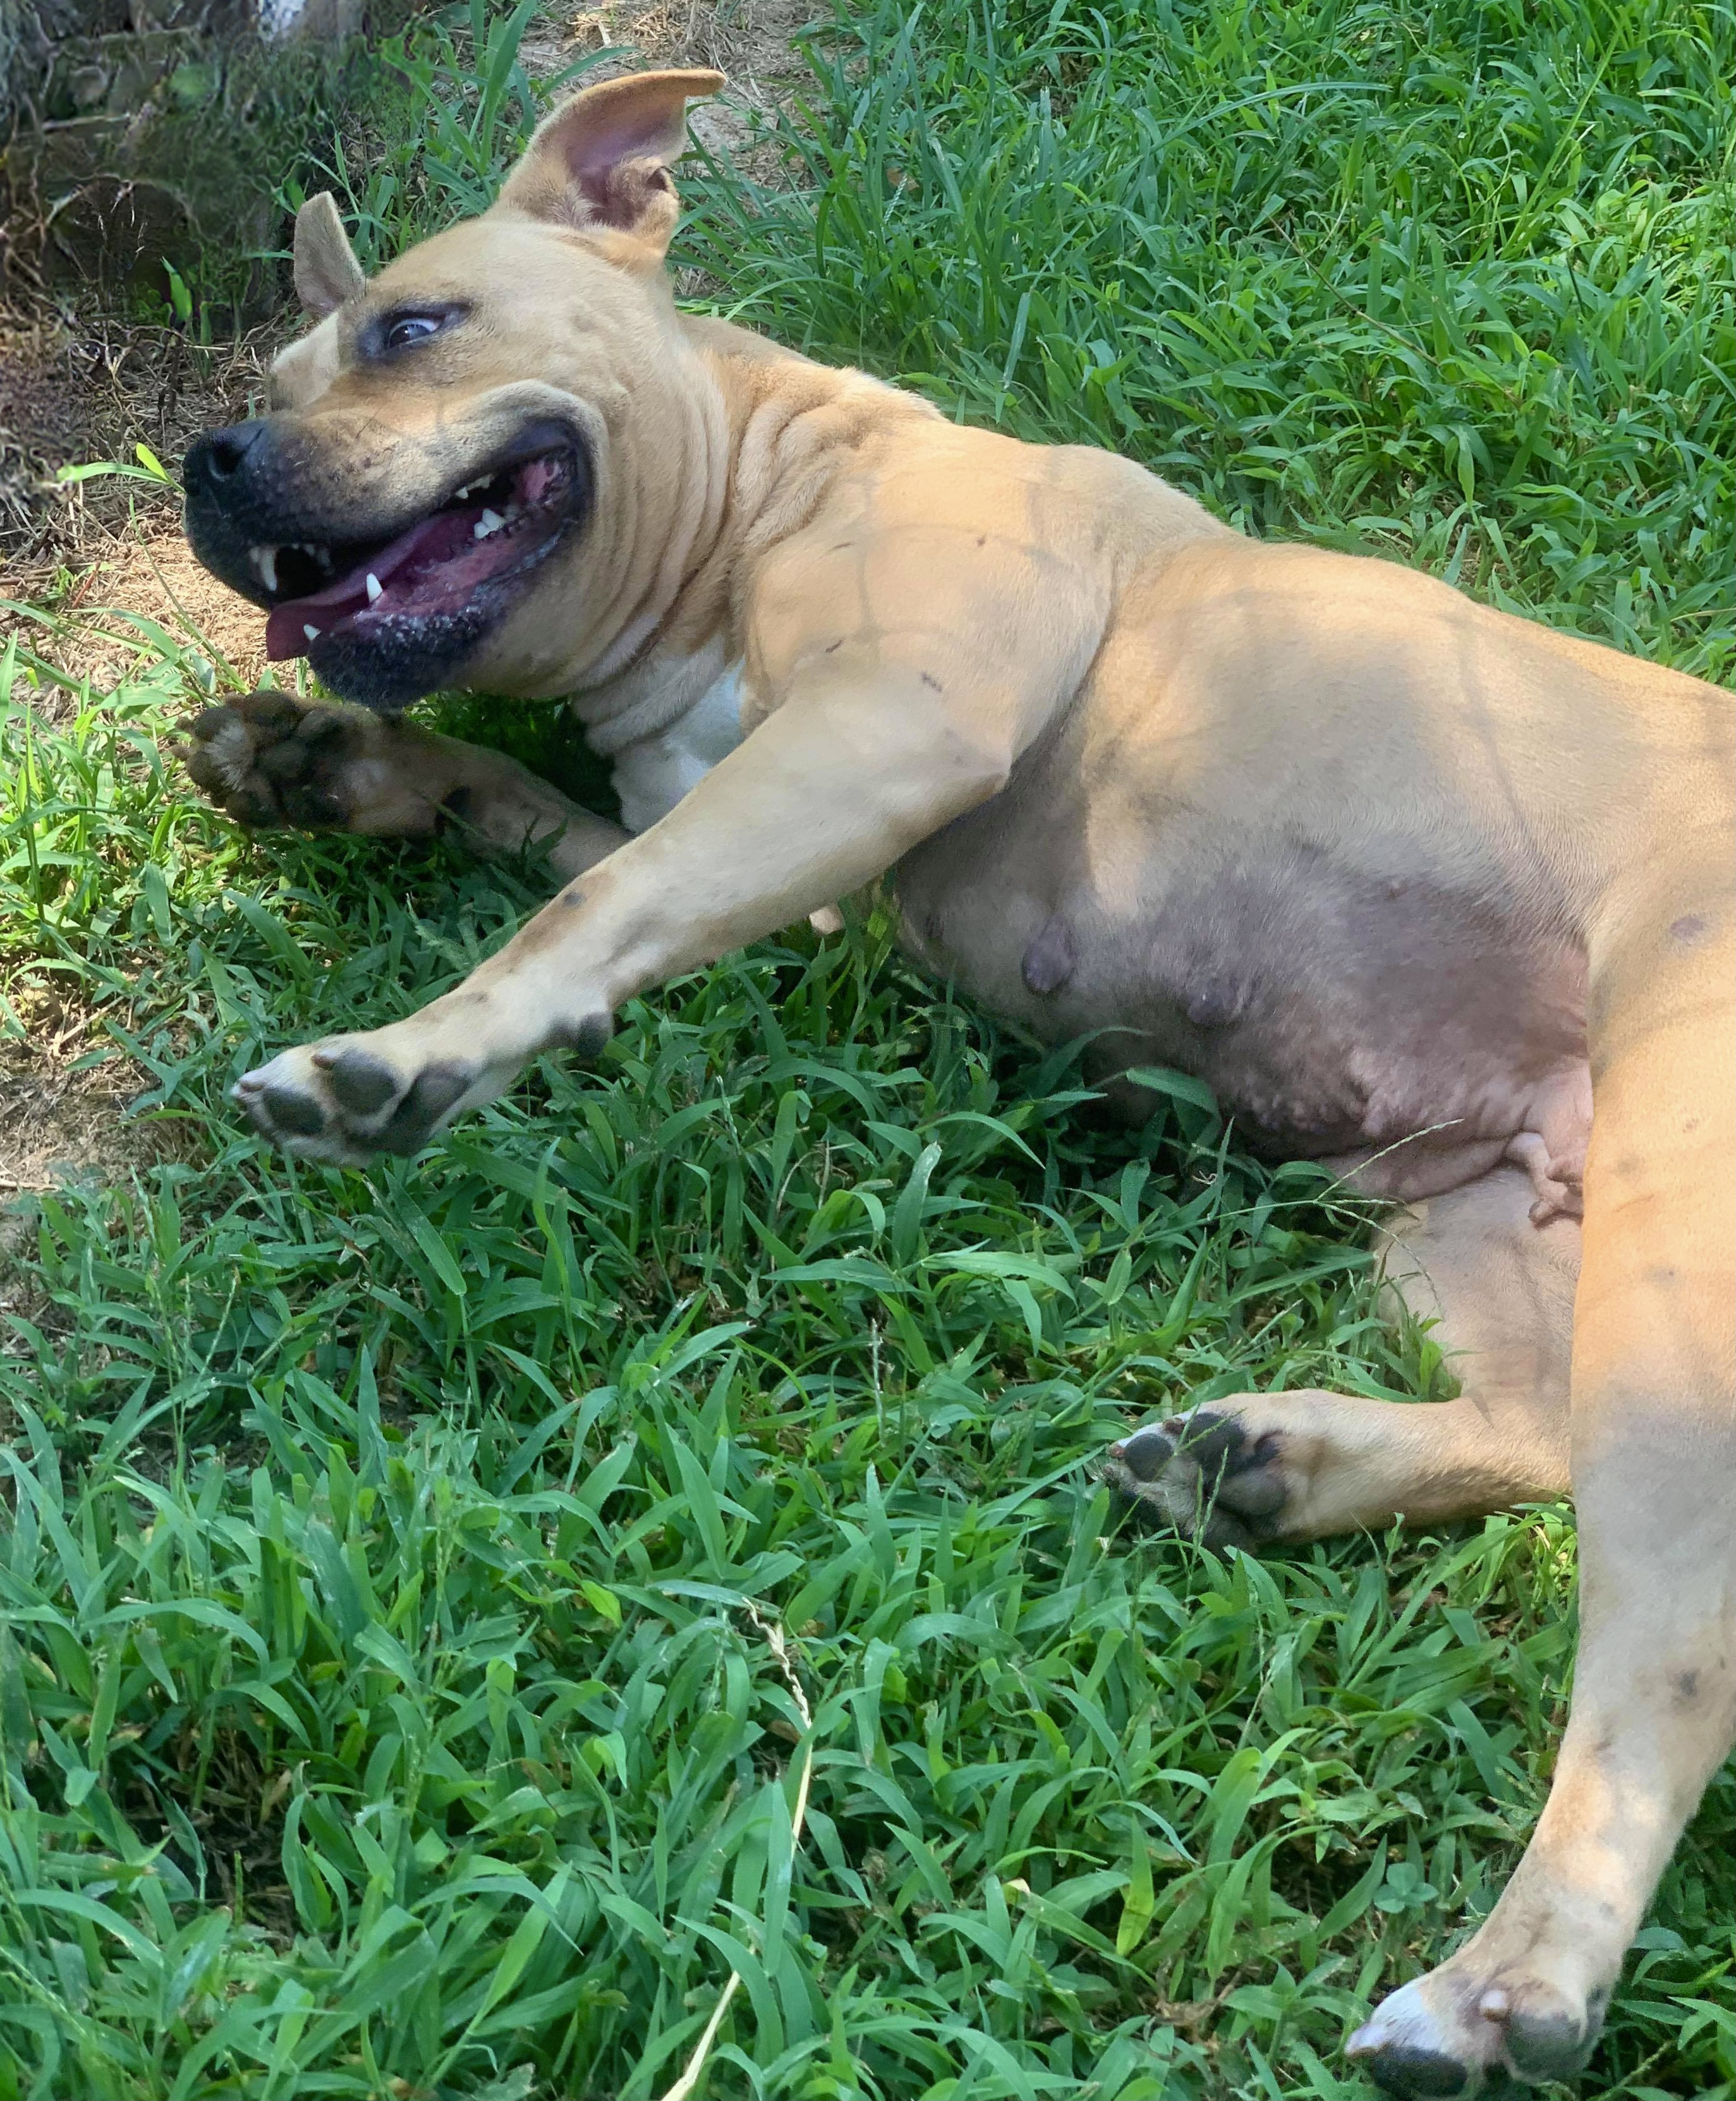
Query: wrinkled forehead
<point x="510" y="274"/>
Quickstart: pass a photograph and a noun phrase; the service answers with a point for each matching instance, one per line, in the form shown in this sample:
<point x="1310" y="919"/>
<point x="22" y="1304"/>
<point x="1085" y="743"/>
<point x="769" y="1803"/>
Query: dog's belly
<point x="1389" y="1021"/>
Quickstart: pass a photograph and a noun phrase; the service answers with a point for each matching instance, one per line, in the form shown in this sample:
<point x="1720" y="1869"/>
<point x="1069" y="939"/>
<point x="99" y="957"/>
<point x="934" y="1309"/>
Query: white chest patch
<point x="652" y="775"/>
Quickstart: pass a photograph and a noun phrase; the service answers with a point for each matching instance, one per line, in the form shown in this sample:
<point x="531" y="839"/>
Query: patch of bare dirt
<point x="749" y="41"/>
<point x="80" y="386"/>
<point x="61" y="1130"/>
<point x="147" y="572"/>
<point x="57" y="1124"/>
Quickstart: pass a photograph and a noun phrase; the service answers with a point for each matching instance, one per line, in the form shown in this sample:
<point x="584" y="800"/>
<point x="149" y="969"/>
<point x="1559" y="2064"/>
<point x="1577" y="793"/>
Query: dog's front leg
<point x="270" y="759"/>
<point x="823" y="797"/>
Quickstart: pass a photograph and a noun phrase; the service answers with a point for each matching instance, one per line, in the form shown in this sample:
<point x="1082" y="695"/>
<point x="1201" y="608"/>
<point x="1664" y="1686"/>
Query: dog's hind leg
<point x="1653" y="1431"/>
<point x="1299" y="1466"/>
<point x="270" y="759"/>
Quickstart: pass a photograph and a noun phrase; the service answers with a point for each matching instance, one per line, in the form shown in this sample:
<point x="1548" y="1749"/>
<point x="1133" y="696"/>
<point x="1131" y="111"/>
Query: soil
<point x="749" y="41"/>
<point x="81" y="387"/>
<point x="57" y="1125"/>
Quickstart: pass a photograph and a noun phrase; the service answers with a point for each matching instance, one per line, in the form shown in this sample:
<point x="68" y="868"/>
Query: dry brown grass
<point x="748" y="40"/>
<point x="76" y="385"/>
<point x="55" y="1123"/>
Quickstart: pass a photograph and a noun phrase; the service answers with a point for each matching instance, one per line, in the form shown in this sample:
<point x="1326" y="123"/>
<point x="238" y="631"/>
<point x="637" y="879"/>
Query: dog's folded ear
<point x="327" y="271"/>
<point x="600" y="164"/>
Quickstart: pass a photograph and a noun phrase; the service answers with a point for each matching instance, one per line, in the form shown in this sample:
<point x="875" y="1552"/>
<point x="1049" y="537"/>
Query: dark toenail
<point x="362" y="1083"/>
<point x="289" y="1109"/>
<point x="1549" y="2046"/>
<point x="1145" y="1453"/>
<point x="588" y="1036"/>
<point x="1419" y="2075"/>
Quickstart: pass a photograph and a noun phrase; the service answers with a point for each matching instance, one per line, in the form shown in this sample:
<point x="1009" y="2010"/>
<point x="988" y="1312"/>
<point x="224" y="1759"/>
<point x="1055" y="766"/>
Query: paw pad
<point x="342" y="1102"/>
<point x="362" y="1085"/>
<point x="267" y="759"/>
<point x="1421" y="2075"/>
<point x="1202" y="1476"/>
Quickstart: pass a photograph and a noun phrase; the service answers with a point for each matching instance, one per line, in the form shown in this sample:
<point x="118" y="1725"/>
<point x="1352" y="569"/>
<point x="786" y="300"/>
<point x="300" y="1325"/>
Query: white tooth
<point x="313" y="634"/>
<point x="265" y="561"/>
<point x="373" y="587"/>
<point x="458" y="495"/>
<point x="491" y="521"/>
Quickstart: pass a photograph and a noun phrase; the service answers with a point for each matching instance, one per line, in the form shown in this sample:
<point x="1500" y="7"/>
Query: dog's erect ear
<point x="601" y="162"/>
<point x="327" y="271"/>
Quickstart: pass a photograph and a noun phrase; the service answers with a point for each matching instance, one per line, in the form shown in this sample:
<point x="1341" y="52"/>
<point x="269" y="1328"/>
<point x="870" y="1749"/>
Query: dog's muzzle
<point x="386" y="606"/>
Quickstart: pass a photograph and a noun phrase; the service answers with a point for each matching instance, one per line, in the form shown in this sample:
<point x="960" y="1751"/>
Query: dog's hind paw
<point x="342" y="1101"/>
<point x="1462" y="2030"/>
<point x="267" y="759"/>
<point x="1202" y="1475"/>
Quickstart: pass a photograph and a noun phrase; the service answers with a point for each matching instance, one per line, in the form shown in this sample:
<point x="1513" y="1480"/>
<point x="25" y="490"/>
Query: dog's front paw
<point x="1202" y="1475"/>
<point x="267" y="759"/>
<point x="344" y="1100"/>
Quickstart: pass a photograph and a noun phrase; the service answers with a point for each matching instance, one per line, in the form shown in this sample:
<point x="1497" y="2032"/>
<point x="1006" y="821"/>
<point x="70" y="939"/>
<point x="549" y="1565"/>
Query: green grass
<point x="387" y="1699"/>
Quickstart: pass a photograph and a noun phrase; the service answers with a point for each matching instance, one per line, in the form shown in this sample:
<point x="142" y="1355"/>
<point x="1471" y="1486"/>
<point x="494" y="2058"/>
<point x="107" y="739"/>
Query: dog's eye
<point x="411" y="328"/>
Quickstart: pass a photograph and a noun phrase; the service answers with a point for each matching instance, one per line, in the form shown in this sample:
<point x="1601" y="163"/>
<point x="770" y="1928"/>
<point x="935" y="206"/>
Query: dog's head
<point x="467" y="458"/>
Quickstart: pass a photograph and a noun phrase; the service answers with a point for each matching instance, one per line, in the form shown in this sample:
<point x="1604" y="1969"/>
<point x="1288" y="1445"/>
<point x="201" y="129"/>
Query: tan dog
<point x="1411" y="883"/>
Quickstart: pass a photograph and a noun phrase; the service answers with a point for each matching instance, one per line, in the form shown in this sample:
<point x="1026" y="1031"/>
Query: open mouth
<point x="426" y="579"/>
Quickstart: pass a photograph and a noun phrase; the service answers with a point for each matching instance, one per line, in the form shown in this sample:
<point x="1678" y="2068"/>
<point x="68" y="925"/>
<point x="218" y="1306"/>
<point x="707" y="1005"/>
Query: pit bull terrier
<point x="1417" y="887"/>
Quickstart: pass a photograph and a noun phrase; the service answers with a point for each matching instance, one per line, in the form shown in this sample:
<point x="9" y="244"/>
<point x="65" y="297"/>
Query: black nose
<point x="223" y="456"/>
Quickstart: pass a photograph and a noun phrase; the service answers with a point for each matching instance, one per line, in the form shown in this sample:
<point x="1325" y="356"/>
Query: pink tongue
<point x="534" y="481"/>
<point x="434" y="540"/>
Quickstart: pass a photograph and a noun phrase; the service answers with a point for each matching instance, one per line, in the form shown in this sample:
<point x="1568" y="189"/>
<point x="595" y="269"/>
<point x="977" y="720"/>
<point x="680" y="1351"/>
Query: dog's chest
<point x="652" y="775"/>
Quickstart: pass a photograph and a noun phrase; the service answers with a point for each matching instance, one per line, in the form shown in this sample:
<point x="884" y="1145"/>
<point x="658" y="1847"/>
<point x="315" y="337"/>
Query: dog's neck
<point x="766" y="434"/>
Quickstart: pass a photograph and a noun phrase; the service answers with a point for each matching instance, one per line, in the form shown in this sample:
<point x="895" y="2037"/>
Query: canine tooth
<point x="458" y="495"/>
<point x="491" y="521"/>
<point x="265" y="561"/>
<point x="313" y="634"/>
<point x="373" y="587"/>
